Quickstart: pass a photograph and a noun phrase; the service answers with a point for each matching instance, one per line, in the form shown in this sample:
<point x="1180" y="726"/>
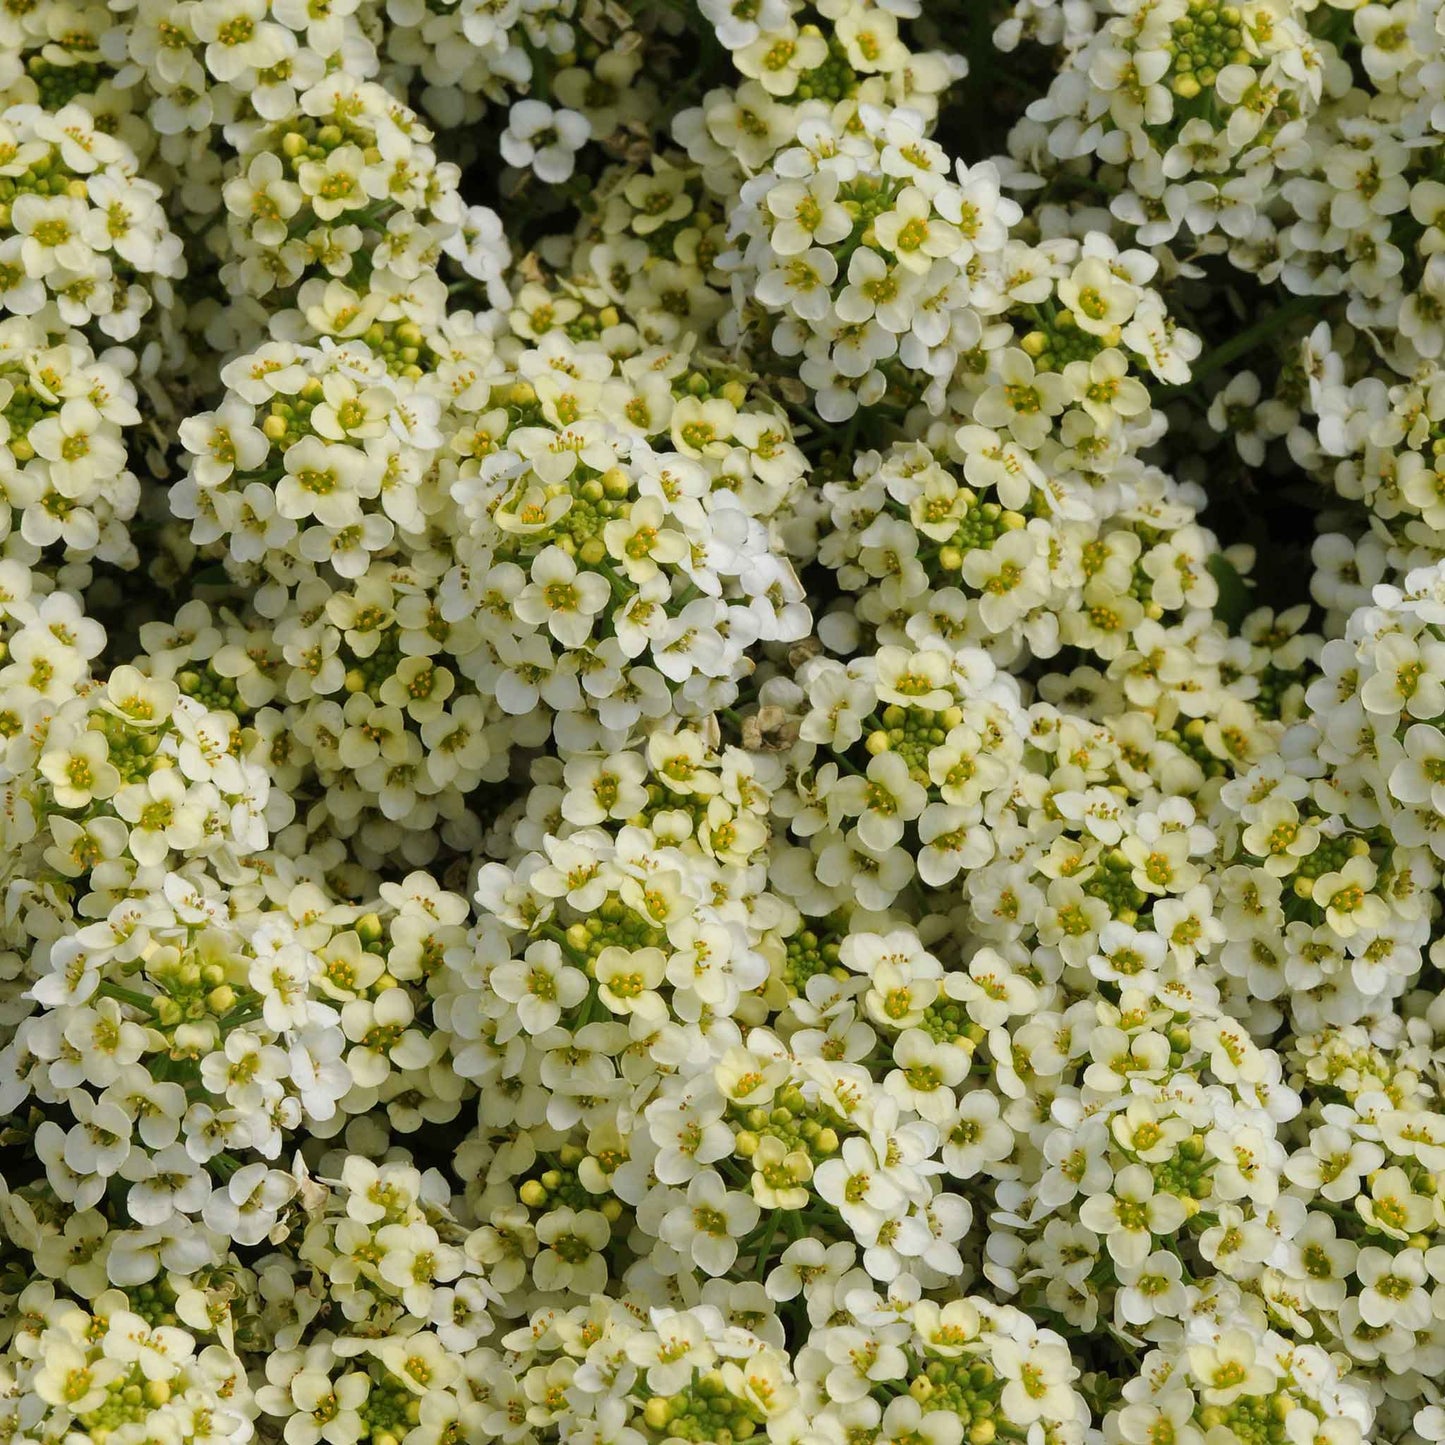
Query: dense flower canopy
<point x="722" y="720"/>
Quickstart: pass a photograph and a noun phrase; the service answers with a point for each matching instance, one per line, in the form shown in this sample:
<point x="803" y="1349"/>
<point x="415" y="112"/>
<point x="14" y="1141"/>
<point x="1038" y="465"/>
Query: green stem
<point x="587" y="1011"/>
<point x="265" y="475"/>
<point x="1248" y="339"/>
<point x="620" y="589"/>
<point x="237" y="1017"/>
<point x="766" y="1245"/>
<point x="246" y="1010"/>
<point x="125" y="995"/>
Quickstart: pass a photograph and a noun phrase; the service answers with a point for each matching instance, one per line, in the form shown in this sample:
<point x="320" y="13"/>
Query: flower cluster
<point x="344" y="185"/>
<point x="64" y="483"/>
<point x="907" y="249"/>
<point x="1203" y="108"/>
<point x="116" y="1373"/>
<point x="722" y="720"/>
<point x="452" y="555"/>
<point x="82" y="233"/>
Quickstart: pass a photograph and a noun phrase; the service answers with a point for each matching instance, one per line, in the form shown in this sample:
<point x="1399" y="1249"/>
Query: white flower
<point x="562" y="596"/>
<point x="709" y="1225"/>
<point x="570" y="1257"/>
<point x="540" y="986"/>
<point x="246" y="1209"/>
<point x="1132" y="1212"/>
<point x="543" y="139"/>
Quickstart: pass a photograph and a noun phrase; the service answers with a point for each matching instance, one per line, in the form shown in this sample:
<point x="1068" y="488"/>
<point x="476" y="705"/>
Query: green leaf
<point x="1236" y="600"/>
